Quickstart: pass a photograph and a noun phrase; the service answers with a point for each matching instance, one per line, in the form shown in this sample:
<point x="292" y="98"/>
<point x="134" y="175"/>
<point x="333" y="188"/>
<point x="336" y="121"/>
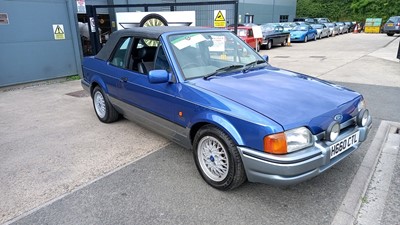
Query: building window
<point x="248" y="18"/>
<point x="284" y="18"/>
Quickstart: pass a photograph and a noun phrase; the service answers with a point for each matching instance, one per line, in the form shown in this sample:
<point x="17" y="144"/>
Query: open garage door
<point x="207" y="14"/>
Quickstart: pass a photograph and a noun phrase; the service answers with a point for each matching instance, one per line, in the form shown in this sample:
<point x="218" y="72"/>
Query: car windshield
<point x="317" y="26"/>
<point x="211" y="53"/>
<point x="329" y="24"/>
<point x="242" y="32"/>
<point x="392" y="20"/>
<point x="267" y="27"/>
<point x="286" y="25"/>
<point x="299" y="28"/>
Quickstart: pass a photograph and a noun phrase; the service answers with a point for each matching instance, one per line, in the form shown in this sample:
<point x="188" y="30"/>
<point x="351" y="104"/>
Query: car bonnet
<point x="290" y="99"/>
<point x="298" y="32"/>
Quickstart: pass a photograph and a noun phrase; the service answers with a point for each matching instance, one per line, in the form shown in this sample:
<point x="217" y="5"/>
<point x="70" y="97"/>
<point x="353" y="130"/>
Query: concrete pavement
<point x="366" y="198"/>
<point x="367" y="59"/>
<point x="51" y="143"/>
<point x="60" y="166"/>
<point x="381" y="201"/>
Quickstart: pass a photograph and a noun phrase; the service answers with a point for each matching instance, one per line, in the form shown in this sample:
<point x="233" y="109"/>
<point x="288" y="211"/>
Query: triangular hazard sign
<point x="219" y="17"/>
<point x="58" y="30"/>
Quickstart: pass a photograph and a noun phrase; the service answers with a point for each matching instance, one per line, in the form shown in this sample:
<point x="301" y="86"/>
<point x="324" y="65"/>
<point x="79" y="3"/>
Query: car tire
<point x="153" y="19"/>
<point x="390" y="34"/>
<point x="218" y="159"/>
<point x="319" y="37"/>
<point x="269" y="45"/>
<point x="305" y="39"/>
<point x="102" y="106"/>
<point x="315" y="37"/>
<point x="284" y="43"/>
<point x="258" y="47"/>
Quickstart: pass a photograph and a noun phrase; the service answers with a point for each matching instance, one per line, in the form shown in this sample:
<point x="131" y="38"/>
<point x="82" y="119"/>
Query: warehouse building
<point x="42" y="39"/>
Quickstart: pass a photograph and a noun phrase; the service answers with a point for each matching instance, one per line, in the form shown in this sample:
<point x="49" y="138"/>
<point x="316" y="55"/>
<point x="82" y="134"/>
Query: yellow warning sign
<point x="58" y="31"/>
<point x="219" y="18"/>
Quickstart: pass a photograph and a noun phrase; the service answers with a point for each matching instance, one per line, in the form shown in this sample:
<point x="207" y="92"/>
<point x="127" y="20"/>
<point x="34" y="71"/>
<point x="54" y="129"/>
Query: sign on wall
<point x="4" y="19"/>
<point x="81" y="6"/>
<point x="136" y="19"/>
<point x="58" y="31"/>
<point x="219" y="18"/>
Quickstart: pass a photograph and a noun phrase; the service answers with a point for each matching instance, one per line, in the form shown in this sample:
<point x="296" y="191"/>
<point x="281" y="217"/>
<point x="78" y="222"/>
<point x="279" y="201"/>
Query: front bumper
<point x="393" y="30"/>
<point x="297" y="38"/>
<point x="298" y="166"/>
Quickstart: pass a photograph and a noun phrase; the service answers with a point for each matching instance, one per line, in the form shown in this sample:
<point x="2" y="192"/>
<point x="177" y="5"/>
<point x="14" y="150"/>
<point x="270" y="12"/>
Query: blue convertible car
<point x="303" y="32"/>
<point x="208" y="91"/>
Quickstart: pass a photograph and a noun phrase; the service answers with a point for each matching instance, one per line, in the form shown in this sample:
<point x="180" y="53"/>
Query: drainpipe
<point x="111" y="13"/>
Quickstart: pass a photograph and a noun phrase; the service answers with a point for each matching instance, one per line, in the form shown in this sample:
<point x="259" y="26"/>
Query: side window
<point x="143" y="55"/>
<point x="161" y="62"/>
<point x="278" y="29"/>
<point x="250" y="32"/>
<point x="120" y="58"/>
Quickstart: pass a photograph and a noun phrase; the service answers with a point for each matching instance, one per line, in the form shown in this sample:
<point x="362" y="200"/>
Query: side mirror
<point x="266" y="58"/>
<point x="158" y="76"/>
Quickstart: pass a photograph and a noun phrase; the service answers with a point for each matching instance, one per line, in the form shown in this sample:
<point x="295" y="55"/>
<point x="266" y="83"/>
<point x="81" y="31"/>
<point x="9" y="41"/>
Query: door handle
<point x="124" y="79"/>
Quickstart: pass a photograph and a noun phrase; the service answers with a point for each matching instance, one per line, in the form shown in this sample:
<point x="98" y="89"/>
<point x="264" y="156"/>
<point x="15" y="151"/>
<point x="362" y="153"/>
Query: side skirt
<point x="166" y="128"/>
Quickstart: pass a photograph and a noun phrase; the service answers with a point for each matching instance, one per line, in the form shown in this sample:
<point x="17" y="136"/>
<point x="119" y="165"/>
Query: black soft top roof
<point x="142" y="32"/>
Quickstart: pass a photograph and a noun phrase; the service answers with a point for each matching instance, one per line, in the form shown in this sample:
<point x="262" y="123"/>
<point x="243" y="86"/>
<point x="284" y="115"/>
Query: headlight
<point x="333" y="131"/>
<point x="362" y="117"/>
<point x="361" y="105"/>
<point x="289" y="141"/>
<point x="298" y="139"/>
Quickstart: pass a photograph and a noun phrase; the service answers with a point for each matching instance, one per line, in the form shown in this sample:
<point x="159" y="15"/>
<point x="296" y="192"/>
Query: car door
<point x="325" y="29"/>
<point x="250" y="38"/>
<point x="279" y="36"/>
<point x="150" y="102"/>
<point x="115" y="70"/>
<point x="310" y="32"/>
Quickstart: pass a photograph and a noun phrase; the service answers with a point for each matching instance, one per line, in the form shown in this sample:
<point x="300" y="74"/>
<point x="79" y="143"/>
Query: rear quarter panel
<point x="96" y="71"/>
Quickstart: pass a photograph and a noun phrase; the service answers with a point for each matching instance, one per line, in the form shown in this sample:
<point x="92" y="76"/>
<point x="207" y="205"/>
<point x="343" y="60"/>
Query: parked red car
<point x="246" y="34"/>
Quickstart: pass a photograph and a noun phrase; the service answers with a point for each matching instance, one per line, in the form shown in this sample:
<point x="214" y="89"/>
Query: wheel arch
<point x="219" y="122"/>
<point x="96" y="82"/>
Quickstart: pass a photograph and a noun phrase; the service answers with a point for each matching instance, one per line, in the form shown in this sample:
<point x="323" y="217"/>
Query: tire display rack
<point x="149" y="20"/>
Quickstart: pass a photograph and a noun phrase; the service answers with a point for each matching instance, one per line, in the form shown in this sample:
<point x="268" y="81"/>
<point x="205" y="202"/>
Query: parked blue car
<point x="303" y="33"/>
<point x="207" y="90"/>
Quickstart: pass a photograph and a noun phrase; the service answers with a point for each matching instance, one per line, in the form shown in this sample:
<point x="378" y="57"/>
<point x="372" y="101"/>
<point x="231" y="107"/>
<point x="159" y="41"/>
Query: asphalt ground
<point x="60" y="165"/>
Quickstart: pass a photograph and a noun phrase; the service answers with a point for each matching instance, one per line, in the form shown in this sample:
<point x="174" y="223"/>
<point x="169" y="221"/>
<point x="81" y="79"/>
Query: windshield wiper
<point x="252" y="64"/>
<point x="223" y="69"/>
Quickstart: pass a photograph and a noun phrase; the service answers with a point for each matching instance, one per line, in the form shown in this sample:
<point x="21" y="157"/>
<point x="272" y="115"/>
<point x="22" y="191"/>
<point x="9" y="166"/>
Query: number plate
<point x="344" y="144"/>
<point x="390" y="24"/>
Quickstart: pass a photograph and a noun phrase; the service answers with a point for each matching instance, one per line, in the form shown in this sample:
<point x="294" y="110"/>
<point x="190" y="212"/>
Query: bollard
<point x="355" y="29"/>
<point x="398" y="51"/>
